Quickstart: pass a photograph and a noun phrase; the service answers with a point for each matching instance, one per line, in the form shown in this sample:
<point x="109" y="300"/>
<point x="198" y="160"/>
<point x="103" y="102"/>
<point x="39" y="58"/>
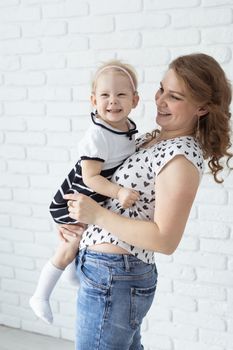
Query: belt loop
<point x="126" y="261"/>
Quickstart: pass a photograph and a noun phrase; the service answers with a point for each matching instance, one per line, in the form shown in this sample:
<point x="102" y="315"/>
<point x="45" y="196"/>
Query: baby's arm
<point x="91" y="170"/>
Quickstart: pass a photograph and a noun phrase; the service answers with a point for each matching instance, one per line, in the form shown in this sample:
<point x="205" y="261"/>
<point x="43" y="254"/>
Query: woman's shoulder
<point x="186" y="146"/>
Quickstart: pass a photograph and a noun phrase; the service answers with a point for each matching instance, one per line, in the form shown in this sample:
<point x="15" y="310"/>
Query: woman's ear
<point x="202" y="111"/>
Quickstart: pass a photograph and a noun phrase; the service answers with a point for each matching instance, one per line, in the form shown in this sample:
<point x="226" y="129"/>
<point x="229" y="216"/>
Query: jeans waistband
<point x="108" y="259"/>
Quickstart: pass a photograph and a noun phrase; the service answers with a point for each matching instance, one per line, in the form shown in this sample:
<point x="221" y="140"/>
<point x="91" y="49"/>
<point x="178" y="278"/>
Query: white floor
<point x="16" y="339"/>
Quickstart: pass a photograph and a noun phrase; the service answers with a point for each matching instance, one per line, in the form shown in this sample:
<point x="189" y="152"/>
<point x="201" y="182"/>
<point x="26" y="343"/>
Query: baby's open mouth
<point x="114" y="110"/>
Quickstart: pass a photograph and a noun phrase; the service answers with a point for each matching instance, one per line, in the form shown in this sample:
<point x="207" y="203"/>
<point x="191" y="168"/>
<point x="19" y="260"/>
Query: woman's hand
<point x="69" y="233"/>
<point x="83" y="208"/>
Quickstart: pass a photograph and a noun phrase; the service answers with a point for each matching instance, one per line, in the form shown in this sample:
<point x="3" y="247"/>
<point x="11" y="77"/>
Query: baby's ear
<point x="135" y="100"/>
<point x="93" y="100"/>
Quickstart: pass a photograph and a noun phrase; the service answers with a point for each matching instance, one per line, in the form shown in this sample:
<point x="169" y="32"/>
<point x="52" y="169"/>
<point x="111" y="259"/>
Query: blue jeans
<point x="116" y="292"/>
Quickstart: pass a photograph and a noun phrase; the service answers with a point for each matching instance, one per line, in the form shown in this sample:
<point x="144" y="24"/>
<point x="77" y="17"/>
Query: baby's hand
<point x="127" y="197"/>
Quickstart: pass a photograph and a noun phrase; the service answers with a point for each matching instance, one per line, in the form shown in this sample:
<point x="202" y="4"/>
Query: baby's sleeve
<point x="94" y="146"/>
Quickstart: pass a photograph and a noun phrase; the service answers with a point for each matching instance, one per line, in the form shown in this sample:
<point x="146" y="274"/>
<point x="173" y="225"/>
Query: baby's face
<point x="114" y="98"/>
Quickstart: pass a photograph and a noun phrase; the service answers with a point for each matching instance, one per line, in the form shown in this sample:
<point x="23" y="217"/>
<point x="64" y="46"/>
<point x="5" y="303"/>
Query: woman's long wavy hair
<point x="208" y="86"/>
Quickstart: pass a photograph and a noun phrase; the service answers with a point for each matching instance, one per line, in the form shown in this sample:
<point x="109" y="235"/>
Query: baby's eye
<point x="121" y="94"/>
<point x="104" y="95"/>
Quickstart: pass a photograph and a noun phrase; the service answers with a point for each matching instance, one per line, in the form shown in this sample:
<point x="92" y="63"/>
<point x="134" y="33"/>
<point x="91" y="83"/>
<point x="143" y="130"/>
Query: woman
<point x="116" y="261"/>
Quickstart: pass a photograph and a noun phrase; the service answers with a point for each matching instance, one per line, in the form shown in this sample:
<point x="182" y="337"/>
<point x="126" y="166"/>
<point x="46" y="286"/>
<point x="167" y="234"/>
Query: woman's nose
<point x="159" y="99"/>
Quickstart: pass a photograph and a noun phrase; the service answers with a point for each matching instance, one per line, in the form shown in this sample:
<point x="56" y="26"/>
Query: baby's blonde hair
<point x="118" y="66"/>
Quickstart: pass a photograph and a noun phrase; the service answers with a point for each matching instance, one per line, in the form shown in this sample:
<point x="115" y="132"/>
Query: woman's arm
<point x="176" y="187"/>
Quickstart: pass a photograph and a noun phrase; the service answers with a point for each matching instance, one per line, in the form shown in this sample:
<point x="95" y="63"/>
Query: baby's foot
<point x="41" y="308"/>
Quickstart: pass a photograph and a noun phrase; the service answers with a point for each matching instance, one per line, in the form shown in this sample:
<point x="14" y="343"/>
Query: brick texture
<point x="49" y="51"/>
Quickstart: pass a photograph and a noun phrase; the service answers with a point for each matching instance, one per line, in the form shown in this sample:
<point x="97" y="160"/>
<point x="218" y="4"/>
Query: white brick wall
<point x="49" y="50"/>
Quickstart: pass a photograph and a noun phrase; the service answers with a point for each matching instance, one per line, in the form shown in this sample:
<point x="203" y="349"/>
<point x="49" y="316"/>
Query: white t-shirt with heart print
<point x="139" y="172"/>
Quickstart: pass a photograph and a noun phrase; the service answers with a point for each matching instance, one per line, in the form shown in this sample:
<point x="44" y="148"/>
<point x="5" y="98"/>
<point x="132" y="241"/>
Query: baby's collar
<point x="133" y="130"/>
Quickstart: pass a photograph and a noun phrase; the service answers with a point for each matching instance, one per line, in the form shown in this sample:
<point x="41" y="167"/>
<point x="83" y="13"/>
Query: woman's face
<point x="176" y="113"/>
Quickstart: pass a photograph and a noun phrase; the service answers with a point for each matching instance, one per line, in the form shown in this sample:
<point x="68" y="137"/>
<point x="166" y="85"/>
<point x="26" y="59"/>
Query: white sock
<point x="70" y="274"/>
<point x="39" y="302"/>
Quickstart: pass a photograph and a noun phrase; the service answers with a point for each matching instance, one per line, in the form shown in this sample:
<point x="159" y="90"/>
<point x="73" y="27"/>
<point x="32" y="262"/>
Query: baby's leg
<point x="65" y="253"/>
<point x="67" y="263"/>
<point x="49" y="276"/>
<point x="70" y="275"/>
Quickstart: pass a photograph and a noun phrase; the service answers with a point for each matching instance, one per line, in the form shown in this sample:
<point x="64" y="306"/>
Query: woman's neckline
<point x="158" y="140"/>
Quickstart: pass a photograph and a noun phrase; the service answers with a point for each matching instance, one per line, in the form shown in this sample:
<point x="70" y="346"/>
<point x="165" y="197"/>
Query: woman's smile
<point x="163" y="114"/>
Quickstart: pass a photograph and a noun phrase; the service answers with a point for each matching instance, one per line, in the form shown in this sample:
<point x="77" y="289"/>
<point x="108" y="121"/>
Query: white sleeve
<point x="185" y="147"/>
<point x="94" y="145"/>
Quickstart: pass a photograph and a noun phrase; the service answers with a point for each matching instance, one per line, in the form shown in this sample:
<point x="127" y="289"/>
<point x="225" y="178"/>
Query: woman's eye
<point x="175" y="97"/>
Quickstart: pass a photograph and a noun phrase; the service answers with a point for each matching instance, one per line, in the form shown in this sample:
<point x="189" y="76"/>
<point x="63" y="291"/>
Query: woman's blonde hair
<point x="118" y="66"/>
